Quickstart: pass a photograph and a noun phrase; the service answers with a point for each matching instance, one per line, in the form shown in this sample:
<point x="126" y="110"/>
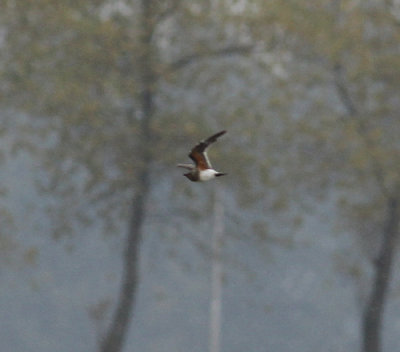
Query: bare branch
<point x="354" y="112"/>
<point x="168" y="11"/>
<point x="343" y="91"/>
<point x="223" y="52"/>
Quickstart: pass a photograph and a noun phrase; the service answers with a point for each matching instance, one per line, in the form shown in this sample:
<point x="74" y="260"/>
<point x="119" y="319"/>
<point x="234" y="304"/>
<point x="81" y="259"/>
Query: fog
<point x="107" y="247"/>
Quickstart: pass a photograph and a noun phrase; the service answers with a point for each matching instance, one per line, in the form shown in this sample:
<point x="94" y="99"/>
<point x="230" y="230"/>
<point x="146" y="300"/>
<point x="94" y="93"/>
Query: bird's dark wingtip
<point x="217" y="135"/>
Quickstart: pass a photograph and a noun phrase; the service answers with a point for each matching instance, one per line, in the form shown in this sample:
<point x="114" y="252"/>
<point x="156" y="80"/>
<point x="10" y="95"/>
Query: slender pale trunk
<point x="216" y="274"/>
<point x="118" y="330"/>
<point x="373" y="313"/>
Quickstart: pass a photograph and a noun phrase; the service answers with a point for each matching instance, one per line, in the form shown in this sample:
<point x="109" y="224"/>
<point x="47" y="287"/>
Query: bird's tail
<point x="220" y="174"/>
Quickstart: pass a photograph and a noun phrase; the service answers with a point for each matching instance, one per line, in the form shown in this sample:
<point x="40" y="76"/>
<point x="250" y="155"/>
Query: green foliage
<point x="362" y="41"/>
<point x="81" y="74"/>
<point x="81" y="79"/>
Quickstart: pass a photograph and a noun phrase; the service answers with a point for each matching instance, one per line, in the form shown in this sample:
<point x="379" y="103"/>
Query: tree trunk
<point x="114" y="339"/>
<point x="118" y="329"/>
<point x="216" y="274"/>
<point x="373" y="313"/>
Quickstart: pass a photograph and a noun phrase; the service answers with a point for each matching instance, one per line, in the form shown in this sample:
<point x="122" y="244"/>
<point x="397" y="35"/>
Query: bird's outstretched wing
<point x="199" y="155"/>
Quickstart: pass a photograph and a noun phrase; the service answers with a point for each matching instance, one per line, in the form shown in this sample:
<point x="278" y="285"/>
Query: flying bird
<point x="202" y="169"/>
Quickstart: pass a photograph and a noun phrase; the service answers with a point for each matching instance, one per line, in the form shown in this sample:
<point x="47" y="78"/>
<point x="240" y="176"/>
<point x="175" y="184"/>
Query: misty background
<point x="106" y="247"/>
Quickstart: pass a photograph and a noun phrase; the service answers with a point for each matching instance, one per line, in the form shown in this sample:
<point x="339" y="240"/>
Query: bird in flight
<point x="202" y="169"/>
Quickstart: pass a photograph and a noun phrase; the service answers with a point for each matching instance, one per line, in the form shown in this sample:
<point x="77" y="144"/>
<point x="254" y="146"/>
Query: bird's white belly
<point x="206" y="175"/>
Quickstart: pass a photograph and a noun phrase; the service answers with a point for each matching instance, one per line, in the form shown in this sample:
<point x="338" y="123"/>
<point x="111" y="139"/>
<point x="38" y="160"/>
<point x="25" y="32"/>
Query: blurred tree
<point x="91" y="76"/>
<point x="343" y="70"/>
<point x="11" y="250"/>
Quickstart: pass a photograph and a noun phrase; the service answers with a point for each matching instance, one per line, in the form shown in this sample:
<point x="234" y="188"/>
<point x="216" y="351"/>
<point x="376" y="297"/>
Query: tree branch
<point x="223" y="52"/>
<point x="168" y="11"/>
<point x="343" y="92"/>
<point x="353" y="111"/>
